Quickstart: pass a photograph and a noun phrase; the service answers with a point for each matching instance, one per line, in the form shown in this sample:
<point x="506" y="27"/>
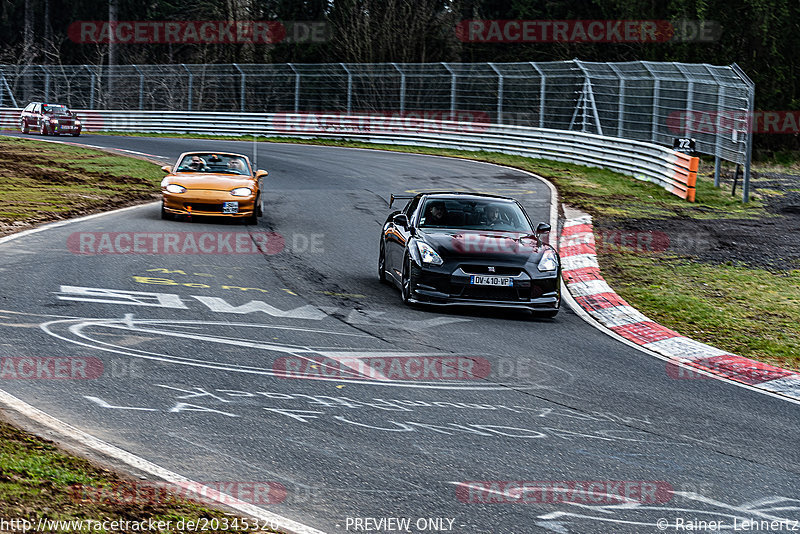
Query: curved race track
<point x="189" y="383"/>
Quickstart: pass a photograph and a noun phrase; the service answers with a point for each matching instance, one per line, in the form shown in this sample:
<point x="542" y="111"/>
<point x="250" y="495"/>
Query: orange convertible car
<point x="212" y="183"/>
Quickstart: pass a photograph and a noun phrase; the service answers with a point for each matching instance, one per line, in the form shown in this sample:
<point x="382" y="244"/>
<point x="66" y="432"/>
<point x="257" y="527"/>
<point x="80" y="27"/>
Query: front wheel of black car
<point x="43" y="129"/>
<point x="406" y="281"/>
<point x="382" y="263"/>
<point x="545" y="314"/>
<point x="23" y="126"/>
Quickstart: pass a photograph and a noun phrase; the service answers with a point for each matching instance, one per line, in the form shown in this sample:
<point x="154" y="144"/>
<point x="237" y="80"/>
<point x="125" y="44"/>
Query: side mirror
<point x="260" y="173"/>
<point x="542" y="228"/>
<point x="167" y="169"/>
<point x="400" y="220"/>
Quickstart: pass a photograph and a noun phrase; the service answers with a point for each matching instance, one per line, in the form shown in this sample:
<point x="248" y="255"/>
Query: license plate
<point x="230" y="207"/>
<point x="490" y="280"/>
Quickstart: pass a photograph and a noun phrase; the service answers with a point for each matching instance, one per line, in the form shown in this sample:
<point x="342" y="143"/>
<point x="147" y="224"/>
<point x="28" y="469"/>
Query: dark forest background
<point x="762" y="36"/>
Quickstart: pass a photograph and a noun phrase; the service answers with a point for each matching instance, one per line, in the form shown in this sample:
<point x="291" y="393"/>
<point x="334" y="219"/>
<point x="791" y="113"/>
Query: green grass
<point x="749" y="312"/>
<point x="41" y="182"/>
<point x="37" y="480"/>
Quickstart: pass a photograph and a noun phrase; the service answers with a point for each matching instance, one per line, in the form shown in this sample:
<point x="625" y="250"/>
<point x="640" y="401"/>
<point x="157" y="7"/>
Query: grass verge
<point x="40" y="482"/>
<point x="42" y="182"/>
<point x="750" y="312"/>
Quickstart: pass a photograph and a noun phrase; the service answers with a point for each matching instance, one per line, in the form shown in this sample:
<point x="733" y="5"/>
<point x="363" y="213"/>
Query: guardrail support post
<point x="717" y="162"/>
<point x="241" y="88"/>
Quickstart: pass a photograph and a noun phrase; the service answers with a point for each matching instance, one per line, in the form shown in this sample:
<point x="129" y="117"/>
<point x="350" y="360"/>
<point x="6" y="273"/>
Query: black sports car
<point x="469" y="249"/>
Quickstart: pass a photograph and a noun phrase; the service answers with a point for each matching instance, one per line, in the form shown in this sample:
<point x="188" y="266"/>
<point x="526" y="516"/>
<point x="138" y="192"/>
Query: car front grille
<point x="197" y="206"/>
<point x="485" y="269"/>
<point x="491" y="293"/>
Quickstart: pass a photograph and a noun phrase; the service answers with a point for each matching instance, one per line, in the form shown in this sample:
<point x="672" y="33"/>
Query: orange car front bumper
<point x="206" y="202"/>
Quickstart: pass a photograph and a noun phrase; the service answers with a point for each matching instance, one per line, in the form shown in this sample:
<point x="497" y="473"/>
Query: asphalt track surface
<point x="191" y="386"/>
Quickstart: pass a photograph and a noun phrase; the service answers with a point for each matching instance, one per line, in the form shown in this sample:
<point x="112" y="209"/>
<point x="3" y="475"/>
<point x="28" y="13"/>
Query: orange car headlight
<point x="242" y="192"/>
<point x="175" y="188"/>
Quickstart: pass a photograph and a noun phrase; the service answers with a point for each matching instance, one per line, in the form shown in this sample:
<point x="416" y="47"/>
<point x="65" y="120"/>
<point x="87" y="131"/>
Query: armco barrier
<point x="674" y="171"/>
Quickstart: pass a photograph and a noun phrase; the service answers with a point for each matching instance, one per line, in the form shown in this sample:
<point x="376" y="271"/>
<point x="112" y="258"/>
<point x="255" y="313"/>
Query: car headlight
<point x="53" y="121"/>
<point x="549" y="261"/>
<point x="175" y="188"/>
<point x="428" y="255"/>
<point x="77" y="122"/>
<point x="242" y="192"/>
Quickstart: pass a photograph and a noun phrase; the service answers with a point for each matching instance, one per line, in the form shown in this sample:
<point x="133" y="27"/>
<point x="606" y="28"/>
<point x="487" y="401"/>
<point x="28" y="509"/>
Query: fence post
<point x="402" y="88"/>
<point x="749" y="149"/>
<point x="91" y="88"/>
<point x="656" y="96"/>
<point x="718" y="137"/>
<point x="141" y="87"/>
<point x="349" y="88"/>
<point x="241" y="89"/>
<point x="296" y="88"/>
<point x="621" y="107"/>
<point x="542" y="80"/>
<point x="46" y="82"/>
<point x="499" y="93"/>
<point x="452" y="90"/>
<point x="10" y="94"/>
<point x="189" y="91"/>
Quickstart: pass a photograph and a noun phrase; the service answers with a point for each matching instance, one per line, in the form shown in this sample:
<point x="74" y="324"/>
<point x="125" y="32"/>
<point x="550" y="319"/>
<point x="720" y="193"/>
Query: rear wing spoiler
<point x="394" y="197"/>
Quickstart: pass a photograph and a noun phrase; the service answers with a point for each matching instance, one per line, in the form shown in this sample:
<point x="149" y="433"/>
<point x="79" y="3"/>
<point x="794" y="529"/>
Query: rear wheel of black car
<point x="382" y="263"/>
<point x="23" y="126"/>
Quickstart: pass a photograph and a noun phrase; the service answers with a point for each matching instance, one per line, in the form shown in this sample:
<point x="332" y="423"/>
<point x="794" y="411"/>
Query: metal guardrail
<point x="667" y="168"/>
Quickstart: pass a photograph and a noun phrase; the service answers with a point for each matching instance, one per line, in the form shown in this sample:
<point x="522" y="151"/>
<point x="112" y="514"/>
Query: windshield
<point x="472" y="214"/>
<point x="58" y="110"/>
<point x="214" y="163"/>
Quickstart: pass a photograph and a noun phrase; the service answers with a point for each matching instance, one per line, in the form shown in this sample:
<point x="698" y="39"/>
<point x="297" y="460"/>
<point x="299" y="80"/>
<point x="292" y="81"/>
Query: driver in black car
<point x="437" y="213"/>
<point x="492" y="216"/>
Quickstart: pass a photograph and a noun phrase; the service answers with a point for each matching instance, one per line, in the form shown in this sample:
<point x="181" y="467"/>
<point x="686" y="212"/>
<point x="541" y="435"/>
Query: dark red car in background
<point x="49" y="119"/>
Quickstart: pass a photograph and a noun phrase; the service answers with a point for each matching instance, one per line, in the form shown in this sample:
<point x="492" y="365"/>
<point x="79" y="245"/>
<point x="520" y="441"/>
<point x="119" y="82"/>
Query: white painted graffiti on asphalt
<point x="540" y="422"/>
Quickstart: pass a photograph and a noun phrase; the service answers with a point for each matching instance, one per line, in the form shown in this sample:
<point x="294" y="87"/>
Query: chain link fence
<point x="646" y="101"/>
